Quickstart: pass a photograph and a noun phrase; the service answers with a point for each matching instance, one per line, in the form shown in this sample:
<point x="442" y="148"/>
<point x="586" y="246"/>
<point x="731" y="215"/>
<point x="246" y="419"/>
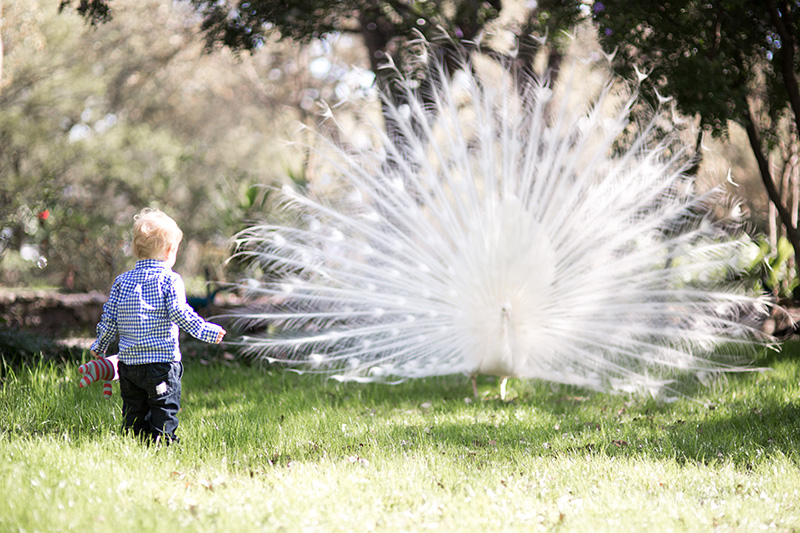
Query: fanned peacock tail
<point x="503" y="234"/>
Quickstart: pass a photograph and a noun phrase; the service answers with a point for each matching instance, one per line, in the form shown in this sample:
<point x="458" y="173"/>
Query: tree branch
<point x="763" y="166"/>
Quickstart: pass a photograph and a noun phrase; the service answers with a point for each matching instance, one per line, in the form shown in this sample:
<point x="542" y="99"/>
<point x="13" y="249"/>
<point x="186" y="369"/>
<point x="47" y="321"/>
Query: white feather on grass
<point x="505" y="235"/>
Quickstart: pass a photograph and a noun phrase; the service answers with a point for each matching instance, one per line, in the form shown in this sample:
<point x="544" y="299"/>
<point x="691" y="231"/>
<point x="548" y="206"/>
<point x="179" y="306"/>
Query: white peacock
<point x="502" y="232"/>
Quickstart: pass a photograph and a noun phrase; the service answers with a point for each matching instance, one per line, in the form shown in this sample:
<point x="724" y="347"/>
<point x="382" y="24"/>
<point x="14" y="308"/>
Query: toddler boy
<point x="147" y="306"/>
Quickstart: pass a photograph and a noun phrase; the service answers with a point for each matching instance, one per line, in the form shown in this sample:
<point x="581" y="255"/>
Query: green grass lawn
<point x="265" y="450"/>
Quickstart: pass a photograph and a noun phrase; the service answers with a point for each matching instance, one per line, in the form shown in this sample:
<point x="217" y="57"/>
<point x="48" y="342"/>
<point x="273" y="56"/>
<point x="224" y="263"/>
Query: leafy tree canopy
<point x="388" y="27"/>
<point x="710" y="55"/>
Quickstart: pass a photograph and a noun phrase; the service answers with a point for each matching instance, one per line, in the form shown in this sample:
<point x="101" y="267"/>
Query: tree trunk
<point x="787" y="54"/>
<point x="697" y="158"/>
<point x="774" y="196"/>
<point x="1" y="45"/>
<point x="795" y="184"/>
<point x="377" y="36"/>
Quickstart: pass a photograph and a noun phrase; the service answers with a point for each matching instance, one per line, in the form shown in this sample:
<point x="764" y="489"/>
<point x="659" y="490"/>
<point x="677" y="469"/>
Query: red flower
<point x="44" y="215"/>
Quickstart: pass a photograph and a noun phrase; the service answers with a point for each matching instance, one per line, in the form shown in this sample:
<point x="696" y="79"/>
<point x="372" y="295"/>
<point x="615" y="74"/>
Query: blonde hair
<point x="153" y="233"/>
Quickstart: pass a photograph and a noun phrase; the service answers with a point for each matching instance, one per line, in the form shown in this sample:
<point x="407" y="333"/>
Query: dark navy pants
<point x="151" y="399"/>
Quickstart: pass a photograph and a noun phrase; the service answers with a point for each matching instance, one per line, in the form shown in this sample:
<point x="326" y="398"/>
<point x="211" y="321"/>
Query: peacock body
<point x="504" y="232"/>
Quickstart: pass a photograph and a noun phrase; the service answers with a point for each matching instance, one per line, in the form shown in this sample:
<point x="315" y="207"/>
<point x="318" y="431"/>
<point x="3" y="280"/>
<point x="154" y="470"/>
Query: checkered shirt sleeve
<point x="147" y="307"/>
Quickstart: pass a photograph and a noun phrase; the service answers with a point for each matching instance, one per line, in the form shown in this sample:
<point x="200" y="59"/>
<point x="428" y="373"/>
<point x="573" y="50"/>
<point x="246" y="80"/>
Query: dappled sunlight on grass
<point x="267" y="449"/>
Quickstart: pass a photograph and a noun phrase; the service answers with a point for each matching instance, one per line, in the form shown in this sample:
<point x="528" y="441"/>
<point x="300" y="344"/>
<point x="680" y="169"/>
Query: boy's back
<point x="147" y="307"/>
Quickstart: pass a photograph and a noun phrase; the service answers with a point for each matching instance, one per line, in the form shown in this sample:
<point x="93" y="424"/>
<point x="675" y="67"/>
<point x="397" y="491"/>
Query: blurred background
<point x="199" y="107"/>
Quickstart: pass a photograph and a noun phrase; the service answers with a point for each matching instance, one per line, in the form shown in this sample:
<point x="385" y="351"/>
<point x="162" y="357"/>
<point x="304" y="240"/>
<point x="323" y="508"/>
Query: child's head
<point x="155" y="234"/>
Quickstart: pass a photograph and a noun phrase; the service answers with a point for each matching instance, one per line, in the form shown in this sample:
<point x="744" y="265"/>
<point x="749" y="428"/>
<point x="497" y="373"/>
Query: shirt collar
<point x="150" y="263"/>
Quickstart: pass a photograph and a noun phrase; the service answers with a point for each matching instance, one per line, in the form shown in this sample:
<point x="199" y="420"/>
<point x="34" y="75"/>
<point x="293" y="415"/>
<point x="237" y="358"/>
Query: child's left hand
<point x="219" y="336"/>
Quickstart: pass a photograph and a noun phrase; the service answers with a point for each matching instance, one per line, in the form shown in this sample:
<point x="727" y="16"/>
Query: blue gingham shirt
<point x="146" y="307"/>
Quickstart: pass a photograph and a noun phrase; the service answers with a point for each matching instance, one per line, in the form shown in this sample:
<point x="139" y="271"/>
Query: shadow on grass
<point x="742" y="419"/>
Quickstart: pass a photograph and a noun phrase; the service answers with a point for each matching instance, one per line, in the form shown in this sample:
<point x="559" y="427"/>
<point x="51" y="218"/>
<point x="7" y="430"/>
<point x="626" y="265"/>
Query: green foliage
<point x="731" y="45"/>
<point x="419" y="455"/>
<point x="35" y="156"/>
<point x="94" y="10"/>
<point x="95" y="125"/>
<point x="24" y="272"/>
<point x="309" y="19"/>
<point x="770" y="269"/>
